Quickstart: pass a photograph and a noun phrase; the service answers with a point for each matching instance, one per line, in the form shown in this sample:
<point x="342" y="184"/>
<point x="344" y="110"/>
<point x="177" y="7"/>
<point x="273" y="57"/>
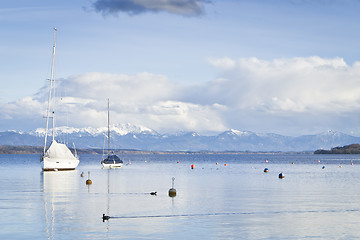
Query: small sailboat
<point x="58" y="156"/>
<point x="111" y="161"/>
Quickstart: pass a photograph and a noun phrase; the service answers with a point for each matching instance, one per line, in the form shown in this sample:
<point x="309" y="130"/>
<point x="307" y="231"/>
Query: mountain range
<point x="127" y="136"/>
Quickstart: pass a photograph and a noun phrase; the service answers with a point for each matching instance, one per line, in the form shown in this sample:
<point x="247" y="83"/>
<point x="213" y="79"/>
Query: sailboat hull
<point x="59" y="164"/>
<point x="111" y="165"/>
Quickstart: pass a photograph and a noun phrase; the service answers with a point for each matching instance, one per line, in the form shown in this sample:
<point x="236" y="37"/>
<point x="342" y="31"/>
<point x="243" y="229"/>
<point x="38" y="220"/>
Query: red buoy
<point x="192" y="166"/>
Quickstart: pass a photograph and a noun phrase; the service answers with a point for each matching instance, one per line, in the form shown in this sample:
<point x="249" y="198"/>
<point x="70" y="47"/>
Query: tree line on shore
<point x="348" y="149"/>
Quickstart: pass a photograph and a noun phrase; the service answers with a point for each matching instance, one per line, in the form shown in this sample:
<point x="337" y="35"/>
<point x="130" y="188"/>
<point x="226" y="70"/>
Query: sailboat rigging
<point x="58" y="156"/>
<point x="112" y="161"/>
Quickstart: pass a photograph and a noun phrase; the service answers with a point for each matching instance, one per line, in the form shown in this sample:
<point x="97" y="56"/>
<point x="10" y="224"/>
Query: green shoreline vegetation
<point x="5" y="149"/>
<point x="348" y="149"/>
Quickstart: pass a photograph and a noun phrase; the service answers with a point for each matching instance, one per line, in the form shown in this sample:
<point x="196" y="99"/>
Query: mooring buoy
<point x="82" y="174"/>
<point x="172" y="190"/>
<point x="266" y="170"/>
<point x="88" y="182"/>
<point x="192" y="166"/>
<point x="281" y="175"/>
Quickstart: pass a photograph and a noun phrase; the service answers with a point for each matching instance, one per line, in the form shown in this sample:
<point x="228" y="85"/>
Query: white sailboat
<point x="58" y="156"/>
<point x="112" y="161"/>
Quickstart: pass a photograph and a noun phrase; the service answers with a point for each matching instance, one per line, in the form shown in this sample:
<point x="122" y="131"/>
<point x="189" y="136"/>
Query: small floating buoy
<point x="88" y="182"/>
<point x="172" y="190"/>
<point x="153" y="193"/>
<point x="225" y="164"/>
<point x="192" y="166"/>
<point x="82" y="174"/>
<point x="318" y="161"/>
<point x="340" y="166"/>
<point x="352" y="163"/>
<point x="323" y="167"/>
<point x="266" y="170"/>
<point x="281" y="175"/>
<point x="266" y="160"/>
<point x="292" y="163"/>
<point x="178" y="162"/>
<point x="217" y="163"/>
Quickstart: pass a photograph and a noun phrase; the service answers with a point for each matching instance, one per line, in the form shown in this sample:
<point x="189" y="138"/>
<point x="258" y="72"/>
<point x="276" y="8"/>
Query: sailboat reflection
<point x="58" y="189"/>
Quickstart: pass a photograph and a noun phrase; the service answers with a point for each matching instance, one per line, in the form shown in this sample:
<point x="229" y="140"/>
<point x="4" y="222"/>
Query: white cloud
<point x="223" y="63"/>
<point x="288" y="89"/>
<point x="298" y="84"/>
<point x="144" y="99"/>
<point x="287" y="96"/>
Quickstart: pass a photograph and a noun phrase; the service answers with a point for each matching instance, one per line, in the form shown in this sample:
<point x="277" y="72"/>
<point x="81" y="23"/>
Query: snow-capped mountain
<point x="127" y="136"/>
<point x="119" y="129"/>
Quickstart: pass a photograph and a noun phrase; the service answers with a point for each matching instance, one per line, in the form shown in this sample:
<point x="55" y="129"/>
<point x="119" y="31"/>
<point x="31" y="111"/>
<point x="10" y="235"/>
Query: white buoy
<point x="172" y="190"/>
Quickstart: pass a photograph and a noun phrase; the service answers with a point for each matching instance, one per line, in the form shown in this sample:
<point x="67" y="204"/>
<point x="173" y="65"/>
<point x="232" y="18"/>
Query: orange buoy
<point x="225" y="164"/>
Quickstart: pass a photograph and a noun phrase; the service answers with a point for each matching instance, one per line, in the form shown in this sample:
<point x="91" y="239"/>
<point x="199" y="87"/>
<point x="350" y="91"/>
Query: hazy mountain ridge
<point x="126" y="136"/>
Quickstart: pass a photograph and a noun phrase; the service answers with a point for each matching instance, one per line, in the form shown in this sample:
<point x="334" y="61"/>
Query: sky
<point x="290" y="67"/>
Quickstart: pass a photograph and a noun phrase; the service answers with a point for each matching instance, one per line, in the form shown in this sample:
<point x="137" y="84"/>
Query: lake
<point x="225" y="196"/>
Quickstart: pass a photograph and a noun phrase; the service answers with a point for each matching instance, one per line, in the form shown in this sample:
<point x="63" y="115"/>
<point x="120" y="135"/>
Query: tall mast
<point x="51" y="99"/>
<point x="108" y="128"/>
<point x="53" y="80"/>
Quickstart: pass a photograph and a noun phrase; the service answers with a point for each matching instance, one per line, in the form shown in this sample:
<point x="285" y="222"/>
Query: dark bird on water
<point x="105" y="217"/>
<point x="153" y="193"/>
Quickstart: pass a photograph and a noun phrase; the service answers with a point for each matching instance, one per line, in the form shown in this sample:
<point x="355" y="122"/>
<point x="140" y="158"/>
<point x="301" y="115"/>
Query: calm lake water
<point x="214" y="201"/>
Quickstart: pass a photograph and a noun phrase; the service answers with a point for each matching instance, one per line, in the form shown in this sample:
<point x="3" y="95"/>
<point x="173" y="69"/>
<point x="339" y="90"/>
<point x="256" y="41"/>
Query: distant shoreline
<point x="348" y="149"/>
<point x="5" y="149"/>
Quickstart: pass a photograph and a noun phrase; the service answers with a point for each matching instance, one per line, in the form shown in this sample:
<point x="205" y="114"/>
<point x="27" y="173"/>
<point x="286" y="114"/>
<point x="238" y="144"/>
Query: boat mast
<point x="53" y="80"/>
<point x="108" y="128"/>
<point x="51" y="100"/>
